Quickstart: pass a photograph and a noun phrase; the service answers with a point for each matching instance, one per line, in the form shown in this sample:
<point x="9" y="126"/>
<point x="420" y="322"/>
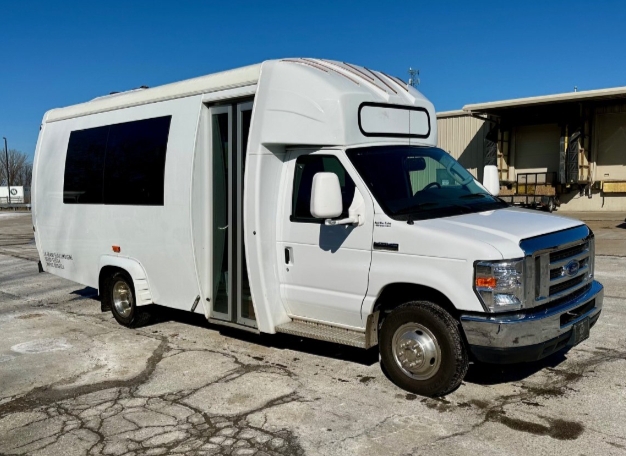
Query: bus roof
<point x="239" y="77"/>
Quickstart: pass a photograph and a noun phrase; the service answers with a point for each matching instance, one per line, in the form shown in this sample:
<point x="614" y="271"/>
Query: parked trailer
<point x="307" y="197"/>
<point x="533" y="190"/>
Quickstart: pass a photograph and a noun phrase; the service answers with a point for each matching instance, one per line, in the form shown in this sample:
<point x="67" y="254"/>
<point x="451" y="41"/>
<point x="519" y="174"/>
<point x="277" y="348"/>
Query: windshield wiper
<point x="475" y="195"/>
<point x="414" y="207"/>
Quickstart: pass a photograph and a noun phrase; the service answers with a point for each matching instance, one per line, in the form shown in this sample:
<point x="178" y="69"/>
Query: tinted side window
<point x="306" y="167"/>
<point x="117" y="164"/>
<point x="84" y="165"/>
<point x="134" y="169"/>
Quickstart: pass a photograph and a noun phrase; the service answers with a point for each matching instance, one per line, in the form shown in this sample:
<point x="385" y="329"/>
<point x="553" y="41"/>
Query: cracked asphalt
<point x="74" y="382"/>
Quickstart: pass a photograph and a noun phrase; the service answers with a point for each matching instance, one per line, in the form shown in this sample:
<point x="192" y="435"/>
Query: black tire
<point x="134" y="316"/>
<point x="446" y="373"/>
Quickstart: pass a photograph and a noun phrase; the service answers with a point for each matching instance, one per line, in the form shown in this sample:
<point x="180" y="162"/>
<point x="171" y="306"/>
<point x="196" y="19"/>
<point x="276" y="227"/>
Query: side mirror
<point x="326" y="202"/>
<point x="491" y="180"/>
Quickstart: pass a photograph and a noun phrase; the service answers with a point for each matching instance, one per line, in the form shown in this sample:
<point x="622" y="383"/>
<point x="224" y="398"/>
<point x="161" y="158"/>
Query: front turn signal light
<point x="486" y="282"/>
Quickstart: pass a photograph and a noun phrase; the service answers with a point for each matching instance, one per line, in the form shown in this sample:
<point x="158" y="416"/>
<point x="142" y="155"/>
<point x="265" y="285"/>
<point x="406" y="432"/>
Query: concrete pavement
<point x="16" y="235"/>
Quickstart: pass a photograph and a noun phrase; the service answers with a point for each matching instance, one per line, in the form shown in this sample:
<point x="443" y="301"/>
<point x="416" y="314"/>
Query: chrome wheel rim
<point x="416" y="351"/>
<point x="122" y="298"/>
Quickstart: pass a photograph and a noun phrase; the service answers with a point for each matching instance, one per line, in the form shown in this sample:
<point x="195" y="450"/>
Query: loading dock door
<point x="611" y="129"/>
<point x="537" y="148"/>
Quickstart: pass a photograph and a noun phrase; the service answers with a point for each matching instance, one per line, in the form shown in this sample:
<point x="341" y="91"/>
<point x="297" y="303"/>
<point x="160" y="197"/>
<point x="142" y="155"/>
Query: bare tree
<point x="24" y="175"/>
<point x="20" y="169"/>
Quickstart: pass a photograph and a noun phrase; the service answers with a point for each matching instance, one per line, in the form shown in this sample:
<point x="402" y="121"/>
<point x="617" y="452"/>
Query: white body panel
<point x="335" y="277"/>
<point x="440" y="253"/>
<point x="157" y="237"/>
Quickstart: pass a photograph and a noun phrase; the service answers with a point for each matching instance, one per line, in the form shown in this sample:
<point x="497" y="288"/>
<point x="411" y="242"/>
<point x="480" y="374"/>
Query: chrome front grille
<point x="561" y="255"/>
<point x="558" y="266"/>
<point x="566" y="285"/>
<point x="571" y="296"/>
<point x="581" y="261"/>
<point x="569" y="267"/>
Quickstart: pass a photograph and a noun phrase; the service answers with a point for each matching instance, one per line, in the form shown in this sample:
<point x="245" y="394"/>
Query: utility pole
<point x="6" y="156"/>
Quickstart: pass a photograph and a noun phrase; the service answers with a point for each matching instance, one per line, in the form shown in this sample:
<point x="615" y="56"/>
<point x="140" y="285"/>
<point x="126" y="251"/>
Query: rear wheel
<point x="422" y="350"/>
<point x="119" y="296"/>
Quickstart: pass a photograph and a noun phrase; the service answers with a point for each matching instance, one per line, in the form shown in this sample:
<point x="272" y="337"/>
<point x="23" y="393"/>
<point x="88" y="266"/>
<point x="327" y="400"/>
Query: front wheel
<point x="422" y="350"/>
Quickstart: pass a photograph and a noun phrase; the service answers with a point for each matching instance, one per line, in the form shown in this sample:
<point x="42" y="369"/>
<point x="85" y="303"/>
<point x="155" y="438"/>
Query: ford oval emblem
<point x="572" y="268"/>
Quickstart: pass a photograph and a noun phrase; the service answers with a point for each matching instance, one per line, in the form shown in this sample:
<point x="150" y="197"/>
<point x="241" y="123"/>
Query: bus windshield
<point x="415" y="183"/>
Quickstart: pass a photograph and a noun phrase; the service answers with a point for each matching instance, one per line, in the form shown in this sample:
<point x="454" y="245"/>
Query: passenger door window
<point x="306" y="167"/>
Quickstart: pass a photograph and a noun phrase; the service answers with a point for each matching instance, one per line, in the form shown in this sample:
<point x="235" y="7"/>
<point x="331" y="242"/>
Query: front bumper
<point x="531" y="335"/>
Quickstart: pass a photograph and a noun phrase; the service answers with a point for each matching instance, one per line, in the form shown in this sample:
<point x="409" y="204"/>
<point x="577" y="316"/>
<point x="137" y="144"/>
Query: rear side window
<point x="134" y="169"/>
<point x="306" y="167"/>
<point x="120" y="164"/>
<point x="84" y="166"/>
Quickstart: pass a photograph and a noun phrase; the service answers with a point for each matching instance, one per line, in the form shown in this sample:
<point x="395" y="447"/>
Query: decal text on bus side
<point x="55" y="260"/>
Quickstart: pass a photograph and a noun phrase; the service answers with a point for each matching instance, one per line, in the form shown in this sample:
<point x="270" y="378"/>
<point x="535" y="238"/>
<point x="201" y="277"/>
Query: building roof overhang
<point x="498" y="107"/>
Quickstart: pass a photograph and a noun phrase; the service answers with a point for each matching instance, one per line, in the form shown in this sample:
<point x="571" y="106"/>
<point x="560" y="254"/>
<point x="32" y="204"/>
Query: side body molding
<point x="137" y="273"/>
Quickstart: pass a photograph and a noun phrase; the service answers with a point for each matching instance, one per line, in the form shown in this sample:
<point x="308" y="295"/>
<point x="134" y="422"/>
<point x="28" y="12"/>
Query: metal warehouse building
<point x="571" y="146"/>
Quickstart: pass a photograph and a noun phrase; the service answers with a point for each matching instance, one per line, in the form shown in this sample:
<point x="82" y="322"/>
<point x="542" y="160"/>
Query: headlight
<point x="500" y="284"/>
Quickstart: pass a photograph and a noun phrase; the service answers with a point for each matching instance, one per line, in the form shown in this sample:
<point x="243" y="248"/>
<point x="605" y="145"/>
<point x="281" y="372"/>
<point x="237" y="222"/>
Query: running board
<point x="321" y="331"/>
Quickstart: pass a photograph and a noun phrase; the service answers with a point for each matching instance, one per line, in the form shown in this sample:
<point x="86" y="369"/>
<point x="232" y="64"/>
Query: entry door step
<point x="323" y="332"/>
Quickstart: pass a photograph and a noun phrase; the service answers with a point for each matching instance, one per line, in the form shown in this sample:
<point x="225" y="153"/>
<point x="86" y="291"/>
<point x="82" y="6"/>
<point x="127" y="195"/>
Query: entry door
<point x="231" y="297"/>
<point x="325" y="269"/>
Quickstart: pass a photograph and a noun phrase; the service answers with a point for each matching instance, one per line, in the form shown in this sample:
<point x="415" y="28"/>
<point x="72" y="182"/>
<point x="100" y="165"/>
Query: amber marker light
<point x="116" y="248"/>
<point x="486" y="282"/>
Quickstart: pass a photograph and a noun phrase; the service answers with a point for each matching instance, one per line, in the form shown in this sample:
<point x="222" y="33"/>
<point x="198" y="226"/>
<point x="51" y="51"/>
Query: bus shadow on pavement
<point x="493" y="374"/>
<point x="280" y="341"/>
<point x="87" y="292"/>
<point x="479" y="373"/>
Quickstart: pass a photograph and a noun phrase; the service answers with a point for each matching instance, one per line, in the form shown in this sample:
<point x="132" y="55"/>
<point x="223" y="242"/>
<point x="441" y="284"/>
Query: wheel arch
<point x="395" y="294"/>
<point x="109" y="264"/>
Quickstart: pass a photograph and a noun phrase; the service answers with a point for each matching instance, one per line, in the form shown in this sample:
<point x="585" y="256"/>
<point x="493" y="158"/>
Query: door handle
<point x="288" y="255"/>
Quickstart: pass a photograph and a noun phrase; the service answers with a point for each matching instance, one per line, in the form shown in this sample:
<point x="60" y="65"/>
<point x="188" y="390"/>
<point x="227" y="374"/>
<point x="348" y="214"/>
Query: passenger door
<point x="324" y="269"/>
<point x="232" y="300"/>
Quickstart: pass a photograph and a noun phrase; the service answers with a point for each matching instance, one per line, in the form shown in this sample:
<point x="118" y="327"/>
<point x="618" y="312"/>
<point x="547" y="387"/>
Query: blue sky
<point x="60" y="53"/>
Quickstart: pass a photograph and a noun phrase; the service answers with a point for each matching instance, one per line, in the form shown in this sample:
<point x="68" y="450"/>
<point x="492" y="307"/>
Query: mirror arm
<point x="346" y="221"/>
<point x="355" y="212"/>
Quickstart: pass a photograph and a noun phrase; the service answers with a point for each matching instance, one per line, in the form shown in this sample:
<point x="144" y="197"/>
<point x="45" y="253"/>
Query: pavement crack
<point x="50" y="394"/>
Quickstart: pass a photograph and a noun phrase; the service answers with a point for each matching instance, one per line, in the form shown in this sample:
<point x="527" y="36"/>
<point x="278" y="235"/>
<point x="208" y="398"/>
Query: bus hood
<point x="505" y="228"/>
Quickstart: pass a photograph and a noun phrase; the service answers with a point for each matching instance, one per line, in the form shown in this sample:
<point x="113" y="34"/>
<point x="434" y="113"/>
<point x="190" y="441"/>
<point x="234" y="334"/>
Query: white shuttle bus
<point x="307" y="197"/>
